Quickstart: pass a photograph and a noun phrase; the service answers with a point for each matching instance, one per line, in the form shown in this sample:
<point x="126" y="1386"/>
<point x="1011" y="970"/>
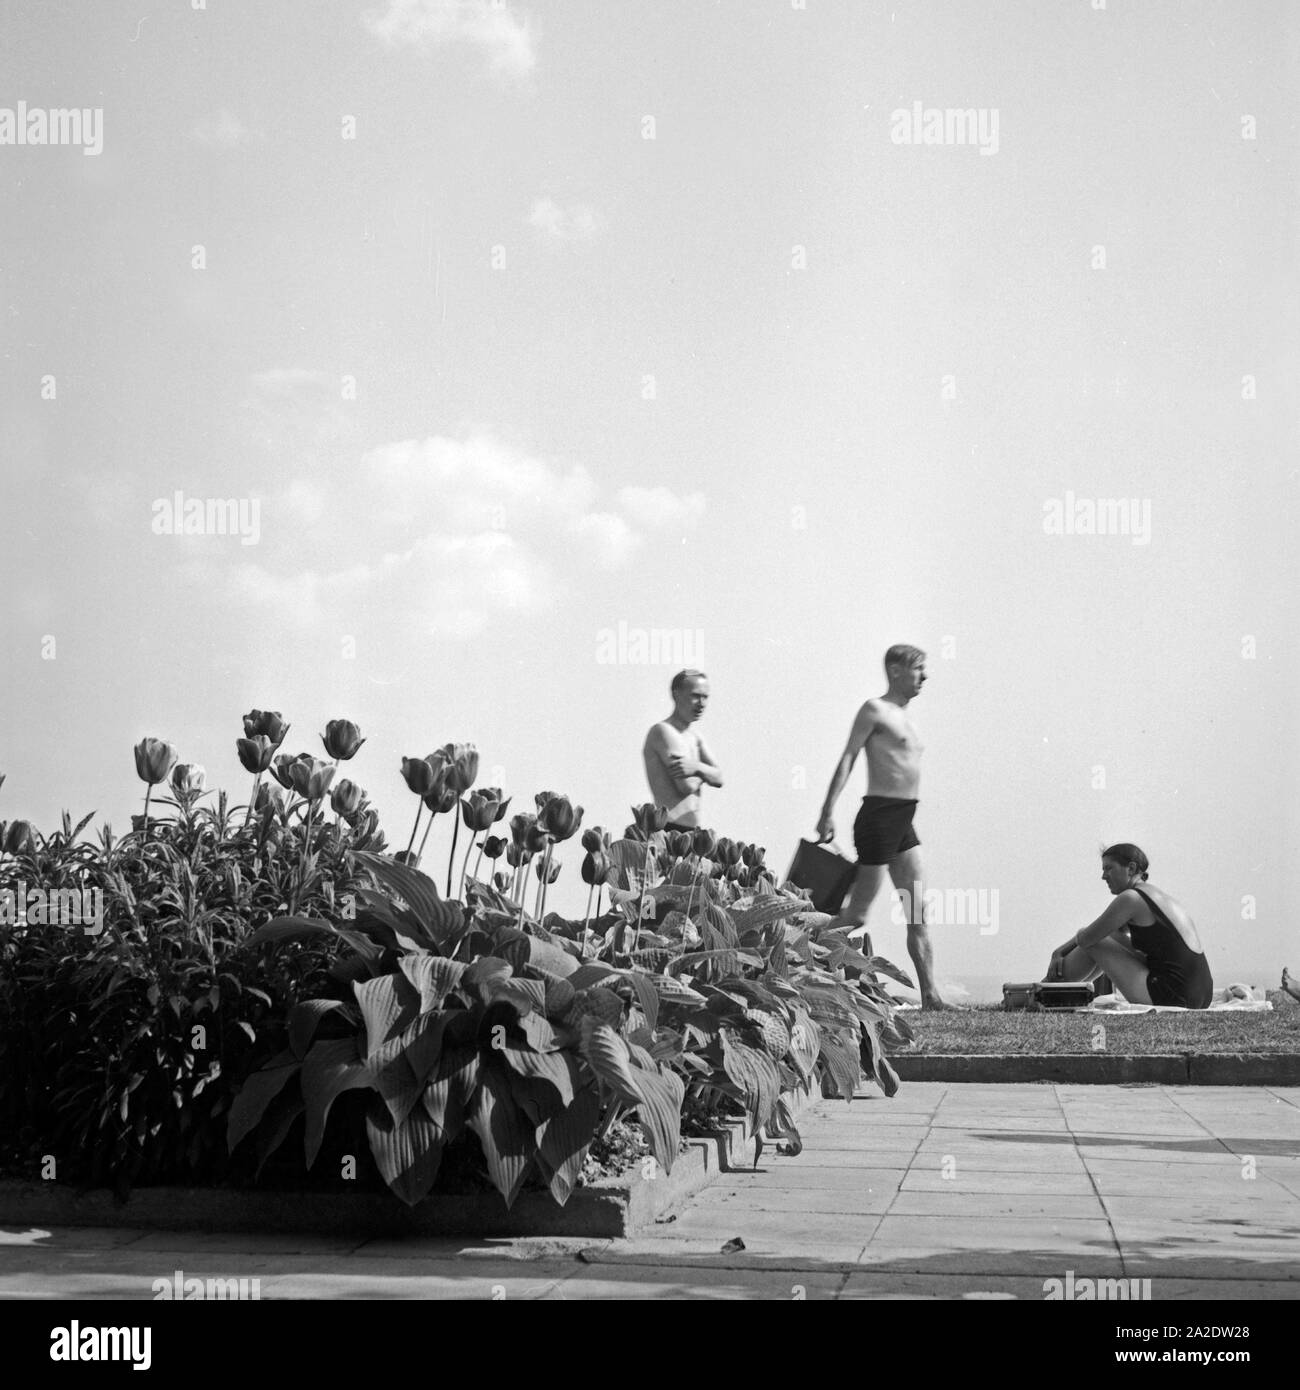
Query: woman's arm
<point x="1115" y="917"/>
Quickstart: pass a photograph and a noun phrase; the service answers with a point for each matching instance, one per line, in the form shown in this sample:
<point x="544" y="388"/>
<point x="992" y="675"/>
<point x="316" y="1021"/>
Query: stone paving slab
<point x="1046" y="1179"/>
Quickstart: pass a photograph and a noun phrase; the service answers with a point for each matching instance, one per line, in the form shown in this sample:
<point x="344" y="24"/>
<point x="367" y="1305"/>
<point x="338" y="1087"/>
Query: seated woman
<point x="1145" y="940"/>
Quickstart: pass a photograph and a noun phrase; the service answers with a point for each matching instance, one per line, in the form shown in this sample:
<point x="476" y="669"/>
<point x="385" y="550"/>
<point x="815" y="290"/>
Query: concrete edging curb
<point x="1102" y="1068"/>
<point x="611" y="1207"/>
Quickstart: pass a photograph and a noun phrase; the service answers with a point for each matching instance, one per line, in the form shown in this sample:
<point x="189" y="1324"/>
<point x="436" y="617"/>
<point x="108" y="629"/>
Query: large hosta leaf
<point x="415" y="889"/>
<point x="257" y="1092"/>
<point x="880" y="966"/>
<point x="434" y="976"/>
<point x="563" y="1141"/>
<point x="450" y="1089"/>
<point x="608" y="1056"/>
<point x="840" y="1054"/>
<point x="504" y="1131"/>
<point x="874" y="1061"/>
<point x="764" y="911"/>
<point x="280" y="927"/>
<point x="407" y="1154"/>
<point x="552" y="957"/>
<point x="388" y="1003"/>
<point x="331" y="1067"/>
<point x="306" y="1017"/>
<point x="559" y="1069"/>
<point x="659" y="1108"/>
<point x="755" y="1073"/>
<point x="805" y="1044"/>
<point x="643" y="986"/>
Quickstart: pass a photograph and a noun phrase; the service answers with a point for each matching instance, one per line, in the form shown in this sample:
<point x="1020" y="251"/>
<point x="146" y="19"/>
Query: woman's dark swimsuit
<point x="1175" y="973"/>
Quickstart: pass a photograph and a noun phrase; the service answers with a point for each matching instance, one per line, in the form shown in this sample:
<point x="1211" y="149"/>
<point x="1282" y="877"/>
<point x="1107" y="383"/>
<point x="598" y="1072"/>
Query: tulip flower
<point x="341" y="738"/>
<point x="282" y="768"/>
<point x="479" y="811"/>
<point x="520" y="823"/>
<point x="594" y="839"/>
<point x="266" y="722"/>
<point x="310" y="777"/>
<point x="19" y="837"/>
<point x="537" y="839"/>
<point x="462" y="762"/>
<point x="514" y="854"/>
<point x="560" y="818"/>
<point x="154" y="759"/>
<point x="187" y="783"/>
<point x="648" y="818"/>
<point x="268" y="797"/>
<point x="504" y="805"/>
<point x="255" y="754"/>
<point x="442" y="799"/>
<point x="494" y="846"/>
<point x="546" y="873"/>
<point x="541" y="798"/>
<point x="347" y="799"/>
<point x="704" y="842"/>
<point x="594" y="868"/>
<point x="418" y="775"/>
<point x="680" y="843"/>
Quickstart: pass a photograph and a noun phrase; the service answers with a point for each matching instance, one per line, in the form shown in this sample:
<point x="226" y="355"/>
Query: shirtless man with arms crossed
<point x="883" y="833"/>
<point x="677" y="764"/>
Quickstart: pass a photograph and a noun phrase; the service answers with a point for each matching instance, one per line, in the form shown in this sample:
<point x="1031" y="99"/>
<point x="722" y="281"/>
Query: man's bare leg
<point x="866" y="884"/>
<point x="1290" y="983"/>
<point x="905" y="870"/>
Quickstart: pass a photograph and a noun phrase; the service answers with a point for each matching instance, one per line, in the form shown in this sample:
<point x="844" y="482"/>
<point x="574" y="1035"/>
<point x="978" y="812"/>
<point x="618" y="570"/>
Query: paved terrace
<point x="945" y="1191"/>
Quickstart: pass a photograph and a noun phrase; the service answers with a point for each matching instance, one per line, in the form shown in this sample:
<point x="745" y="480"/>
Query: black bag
<point x="826" y="873"/>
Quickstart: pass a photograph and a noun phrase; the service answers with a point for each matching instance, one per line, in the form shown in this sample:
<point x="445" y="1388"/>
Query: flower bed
<point x="273" y="1001"/>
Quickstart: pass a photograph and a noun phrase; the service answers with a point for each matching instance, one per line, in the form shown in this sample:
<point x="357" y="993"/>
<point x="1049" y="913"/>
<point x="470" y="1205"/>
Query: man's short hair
<point x="682" y="677"/>
<point x="903" y="655"/>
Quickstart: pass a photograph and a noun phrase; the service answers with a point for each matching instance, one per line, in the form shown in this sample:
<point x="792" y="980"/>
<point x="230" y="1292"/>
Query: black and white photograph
<point x="650" y="654"/>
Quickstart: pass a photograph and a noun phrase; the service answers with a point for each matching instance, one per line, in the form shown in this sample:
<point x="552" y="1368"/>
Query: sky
<point x="513" y="327"/>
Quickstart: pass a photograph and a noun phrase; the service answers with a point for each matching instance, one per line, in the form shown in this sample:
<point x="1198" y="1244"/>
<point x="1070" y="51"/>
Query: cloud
<point x="506" y="40"/>
<point x="454" y="534"/>
<point x="658" y="506"/>
<point x="222" y="130"/>
<point x="577" y="223"/>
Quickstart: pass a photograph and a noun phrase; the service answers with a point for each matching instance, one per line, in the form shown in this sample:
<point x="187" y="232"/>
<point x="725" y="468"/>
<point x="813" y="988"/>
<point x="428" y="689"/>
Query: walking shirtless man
<point x="677" y="764"/>
<point x="883" y="834"/>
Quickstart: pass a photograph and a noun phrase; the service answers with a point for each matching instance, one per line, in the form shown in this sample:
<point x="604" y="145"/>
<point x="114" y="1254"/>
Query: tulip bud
<point x="347" y="798"/>
<point x="418" y="775"/>
<point x="154" y="759"/>
<point x="704" y="842"/>
<point x="553" y="873"/>
<point x="537" y="838"/>
<point x="19" y="837"/>
<point x="594" y="867"/>
<point x="593" y="839"/>
<point x="560" y="818"/>
<point x="461" y="760"/>
<point x="442" y="796"/>
<point x="478" y="810"/>
<point x="503" y="803"/>
<point x="501" y="882"/>
<point x="520" y="824"/>
<point x="407" y="857"/>
<point x="283" y="765"/>
<point x="187" y="780"/>
<point x="266" y="722"/>
<point x="342" y="738"/>
<point x="311" y="777"/>
<point x="514" y="854"/>
<point x="649" y="817"/>
<point x="679" y="844"/>
<point x="268" y="797"/>
<point x="494" y="846"/>
<point x="256" y="753"/>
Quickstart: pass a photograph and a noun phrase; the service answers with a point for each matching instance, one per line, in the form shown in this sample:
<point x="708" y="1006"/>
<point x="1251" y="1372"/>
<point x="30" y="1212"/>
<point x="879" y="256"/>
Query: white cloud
<point x="505" y="39"/>
<point x="577" y="223"/>
<point x="658" y="506"/>
<point x="221" y="130"/>
<point x="453" y="534"/>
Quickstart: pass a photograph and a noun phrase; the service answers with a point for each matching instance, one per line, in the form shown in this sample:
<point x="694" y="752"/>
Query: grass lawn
<point x="993" y="1029"/>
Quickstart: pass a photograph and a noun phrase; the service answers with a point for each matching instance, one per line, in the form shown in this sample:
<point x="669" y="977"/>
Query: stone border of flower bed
<point x="610" y="1207"/>
<point x="1104" y="1068"/>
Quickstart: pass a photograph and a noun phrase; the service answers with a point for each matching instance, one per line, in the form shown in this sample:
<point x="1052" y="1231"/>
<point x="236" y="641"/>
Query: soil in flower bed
<point x="991" y="1029"/>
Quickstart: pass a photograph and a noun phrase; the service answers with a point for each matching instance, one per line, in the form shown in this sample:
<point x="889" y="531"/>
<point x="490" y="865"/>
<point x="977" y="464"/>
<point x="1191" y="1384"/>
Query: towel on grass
<point x="1231" y="999"/>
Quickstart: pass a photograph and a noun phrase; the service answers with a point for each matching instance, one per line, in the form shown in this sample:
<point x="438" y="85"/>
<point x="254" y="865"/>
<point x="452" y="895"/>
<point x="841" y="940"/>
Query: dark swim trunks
<point x="883" y="829"/>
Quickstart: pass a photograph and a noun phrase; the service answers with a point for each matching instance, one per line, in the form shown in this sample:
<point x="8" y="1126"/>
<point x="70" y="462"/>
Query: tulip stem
<point x="478" y="862"/>
<point x="433" y="815"/>
<point x="586" y="921"/>
<point x="451" y="858"/>
<point x="414" y="828"/>
<point x="546" y="882"/>
<point x="252" y="800"/>
<point x="148" y="792"/>
<point x="464" y="868"/>
<point x="645" y="883"/>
